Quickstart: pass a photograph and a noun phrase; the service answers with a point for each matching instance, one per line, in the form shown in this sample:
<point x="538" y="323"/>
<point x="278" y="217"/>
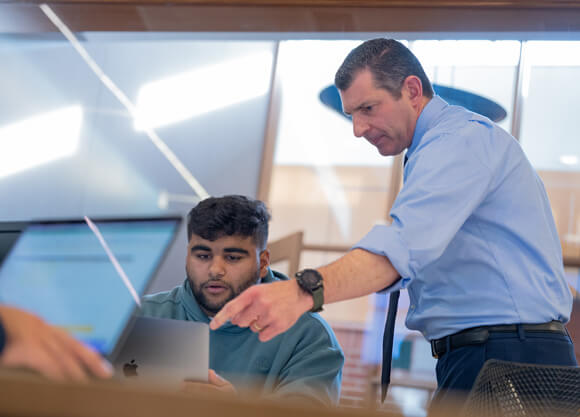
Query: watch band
<point x="318" y="297"/>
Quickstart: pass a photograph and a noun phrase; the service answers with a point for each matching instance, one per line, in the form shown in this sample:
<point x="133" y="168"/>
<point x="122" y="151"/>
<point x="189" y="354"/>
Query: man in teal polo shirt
<point x="227" y="254"/>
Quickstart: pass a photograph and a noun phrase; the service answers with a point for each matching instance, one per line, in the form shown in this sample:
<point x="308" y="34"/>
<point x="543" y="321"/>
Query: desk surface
<point x="31" y="396"/>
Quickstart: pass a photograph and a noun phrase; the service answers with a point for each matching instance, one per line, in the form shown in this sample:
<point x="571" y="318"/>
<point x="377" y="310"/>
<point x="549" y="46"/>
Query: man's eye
<point x="367" y="109"/>
<point x="202" y="256"/>
<point x="233" y="258"/>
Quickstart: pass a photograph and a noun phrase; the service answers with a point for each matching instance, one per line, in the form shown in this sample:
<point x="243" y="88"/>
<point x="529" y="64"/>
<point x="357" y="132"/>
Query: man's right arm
<point x="277" y="306"/>
<point x="355" y="274"/>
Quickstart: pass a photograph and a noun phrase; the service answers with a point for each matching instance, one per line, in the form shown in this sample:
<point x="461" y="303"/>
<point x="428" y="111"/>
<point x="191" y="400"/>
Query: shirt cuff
<point x="387" y="242"/>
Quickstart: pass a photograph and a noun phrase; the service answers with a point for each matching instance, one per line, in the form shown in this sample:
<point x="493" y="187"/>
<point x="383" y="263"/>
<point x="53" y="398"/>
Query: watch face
<point x="310" y="279"/>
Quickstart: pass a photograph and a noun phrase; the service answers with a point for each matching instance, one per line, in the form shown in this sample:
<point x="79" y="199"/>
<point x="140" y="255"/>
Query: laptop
<point x="60" y="271"/>
<point x="9" y="232"/>
<point x="165" y="352"/>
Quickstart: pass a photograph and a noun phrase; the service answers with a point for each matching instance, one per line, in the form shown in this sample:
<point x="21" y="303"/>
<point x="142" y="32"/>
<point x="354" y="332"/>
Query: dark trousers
<point x="458" y="368"/>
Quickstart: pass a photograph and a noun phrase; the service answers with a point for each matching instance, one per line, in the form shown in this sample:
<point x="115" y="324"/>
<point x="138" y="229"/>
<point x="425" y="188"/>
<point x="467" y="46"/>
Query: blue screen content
<point x="61" y="272"/>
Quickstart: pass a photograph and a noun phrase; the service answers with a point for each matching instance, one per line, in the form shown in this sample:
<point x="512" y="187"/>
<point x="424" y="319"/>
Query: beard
<point x="212" y="307"/>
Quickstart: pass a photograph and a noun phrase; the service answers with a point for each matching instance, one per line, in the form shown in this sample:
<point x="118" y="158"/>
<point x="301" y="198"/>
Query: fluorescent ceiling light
<point x="569" y="159"/>
<point x="39" y="139"/>
<point x="202" y="90"/>
<point x="166" y="198"/>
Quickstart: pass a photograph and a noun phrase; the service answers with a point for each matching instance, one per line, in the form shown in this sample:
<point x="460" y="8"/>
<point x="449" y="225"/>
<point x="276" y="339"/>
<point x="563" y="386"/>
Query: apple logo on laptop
<point x="130" y="368"/>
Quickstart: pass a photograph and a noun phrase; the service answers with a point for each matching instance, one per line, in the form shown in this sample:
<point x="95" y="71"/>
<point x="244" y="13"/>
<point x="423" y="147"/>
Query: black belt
<point x="479" y="335"/>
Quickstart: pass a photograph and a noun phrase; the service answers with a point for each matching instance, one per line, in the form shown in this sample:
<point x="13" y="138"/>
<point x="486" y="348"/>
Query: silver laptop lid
<point x="165" y="352"/>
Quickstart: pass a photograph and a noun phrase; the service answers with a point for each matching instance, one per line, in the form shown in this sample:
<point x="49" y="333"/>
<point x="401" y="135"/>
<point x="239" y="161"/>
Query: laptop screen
<point x="61" y="271"/>
<point x="9" y="232"/>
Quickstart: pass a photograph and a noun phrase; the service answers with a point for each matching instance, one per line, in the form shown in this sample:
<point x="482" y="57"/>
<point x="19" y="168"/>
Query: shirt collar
<point x="425" y="121"/>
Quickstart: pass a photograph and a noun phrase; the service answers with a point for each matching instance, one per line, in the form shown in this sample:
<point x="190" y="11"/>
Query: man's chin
<point x="213" y="304"/>
<point x="389" y="151"/>
<point x="213" y="309"/>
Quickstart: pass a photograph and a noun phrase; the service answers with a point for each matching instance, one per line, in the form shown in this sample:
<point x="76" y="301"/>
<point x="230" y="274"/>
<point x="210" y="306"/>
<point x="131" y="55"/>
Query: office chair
<point x="510" y="389"/>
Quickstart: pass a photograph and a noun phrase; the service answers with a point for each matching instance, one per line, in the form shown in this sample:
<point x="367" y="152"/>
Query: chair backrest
<point x="287" y="248"/>
<point x="517" y="389"/>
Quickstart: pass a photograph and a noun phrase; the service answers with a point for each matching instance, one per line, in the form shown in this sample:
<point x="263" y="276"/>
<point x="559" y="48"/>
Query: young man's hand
<point x="32" y="343"/>
<point x="215" y="384"/>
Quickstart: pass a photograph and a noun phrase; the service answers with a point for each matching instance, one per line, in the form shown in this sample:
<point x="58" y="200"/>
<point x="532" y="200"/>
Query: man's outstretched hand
<point x="267" y="309"/>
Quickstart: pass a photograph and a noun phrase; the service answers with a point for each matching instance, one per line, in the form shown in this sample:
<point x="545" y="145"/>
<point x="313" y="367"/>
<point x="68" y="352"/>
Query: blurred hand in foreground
<point x="36" y="345"/>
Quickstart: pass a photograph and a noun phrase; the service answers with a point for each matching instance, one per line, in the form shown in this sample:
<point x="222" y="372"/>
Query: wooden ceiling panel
<point x="474" y="4"/>
<point x="296" y="16"/>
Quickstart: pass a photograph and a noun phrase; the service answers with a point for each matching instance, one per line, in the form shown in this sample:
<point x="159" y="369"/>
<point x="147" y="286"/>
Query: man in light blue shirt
<point x="472" y="238"/>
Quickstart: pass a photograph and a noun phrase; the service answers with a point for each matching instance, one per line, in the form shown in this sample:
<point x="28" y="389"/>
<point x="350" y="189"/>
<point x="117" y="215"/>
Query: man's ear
<point x="414" y="88"/>
<point x="264" y="262"/>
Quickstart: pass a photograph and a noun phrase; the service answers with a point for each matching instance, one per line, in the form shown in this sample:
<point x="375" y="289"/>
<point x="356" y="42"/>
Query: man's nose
<point x="359" y="127"/>
<point x="216" y="269"/>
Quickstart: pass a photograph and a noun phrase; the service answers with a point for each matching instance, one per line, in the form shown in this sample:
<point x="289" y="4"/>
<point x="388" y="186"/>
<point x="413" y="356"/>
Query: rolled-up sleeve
<point x="385" y="241"/>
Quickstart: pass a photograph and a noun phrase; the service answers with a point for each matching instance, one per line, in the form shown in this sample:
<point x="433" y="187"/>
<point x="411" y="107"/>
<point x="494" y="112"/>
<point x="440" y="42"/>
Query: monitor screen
<point x="61" y="271"/>
<point x="9" y="232"/>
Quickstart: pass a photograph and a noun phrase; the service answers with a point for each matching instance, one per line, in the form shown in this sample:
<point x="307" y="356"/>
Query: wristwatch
<point x="310" y="281"/>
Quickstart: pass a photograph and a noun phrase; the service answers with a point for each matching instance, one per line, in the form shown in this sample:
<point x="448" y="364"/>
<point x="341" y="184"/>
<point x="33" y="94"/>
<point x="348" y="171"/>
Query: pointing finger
<point x="230" y="310"/>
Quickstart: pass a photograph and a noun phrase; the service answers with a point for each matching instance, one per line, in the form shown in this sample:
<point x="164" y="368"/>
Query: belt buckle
<point x="433" y="351"/>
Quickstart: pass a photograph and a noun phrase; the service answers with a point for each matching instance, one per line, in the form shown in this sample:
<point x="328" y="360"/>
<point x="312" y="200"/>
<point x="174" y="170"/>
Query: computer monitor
<point x="9" y="232"/>
<point x="61" y="271"/>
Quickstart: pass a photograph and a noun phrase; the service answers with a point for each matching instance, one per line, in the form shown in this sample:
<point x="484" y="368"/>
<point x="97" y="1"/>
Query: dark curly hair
<point x="230" y="215"/>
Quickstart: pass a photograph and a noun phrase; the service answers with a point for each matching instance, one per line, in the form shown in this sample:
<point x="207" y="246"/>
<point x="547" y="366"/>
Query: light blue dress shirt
<point x="472" y="236"/>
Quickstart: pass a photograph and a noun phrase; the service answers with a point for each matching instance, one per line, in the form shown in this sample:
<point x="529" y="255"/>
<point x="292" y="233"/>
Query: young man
<point x="472" y="238"/>
<point x="227" y="254"/>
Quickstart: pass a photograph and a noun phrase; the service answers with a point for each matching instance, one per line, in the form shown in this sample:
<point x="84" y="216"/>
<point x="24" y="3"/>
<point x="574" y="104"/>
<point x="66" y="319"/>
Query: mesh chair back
<point x="511" y="389"/>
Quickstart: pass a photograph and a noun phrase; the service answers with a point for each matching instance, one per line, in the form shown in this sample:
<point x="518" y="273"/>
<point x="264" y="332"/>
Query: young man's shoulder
<point x="162" y="297"/>
<point x="316" y="326"/>
<point x="274" y="276"/>
<point x="165" y="304"/>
